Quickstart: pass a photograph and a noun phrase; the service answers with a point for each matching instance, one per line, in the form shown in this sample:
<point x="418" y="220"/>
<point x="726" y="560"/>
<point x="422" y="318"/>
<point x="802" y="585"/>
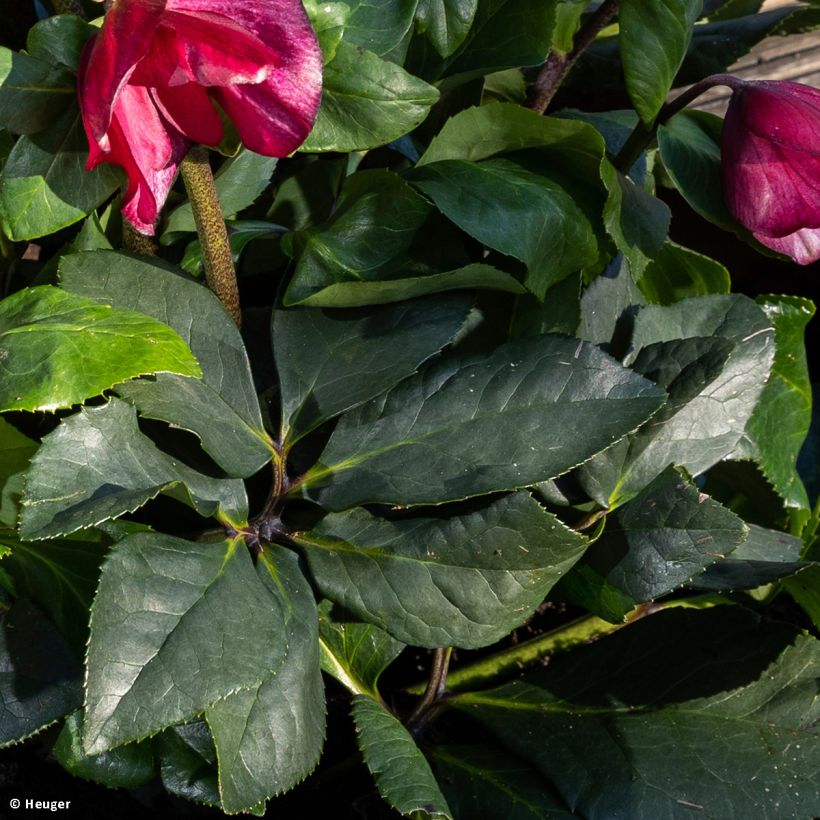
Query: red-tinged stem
<point x="434" y="691"/>
<point x="210" y="225"/>
<point x="557" y="66"/>
<point x="643" y="134"/>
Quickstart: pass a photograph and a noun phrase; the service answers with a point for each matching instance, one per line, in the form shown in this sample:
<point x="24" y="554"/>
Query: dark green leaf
<point x="367" y="102"/>
<point x="486" y="783"/>
<point x="16" y="451"/>
<point x="221" y="408"/>
<point x="504" y="34"/>
<point x="45" y="186"/>
<point x="97" y="465"/>
<point x="636" y="220"/>
<point x="681" y="712"/>
<point x="378" y="26"/>
<point x="512" y="209"/>
<point x="678" y="273"/>
<point x="690" y="149"/>
<point x="654" y="37"/>
<point x="269" y="737"/>
<point x="560" y="312"/>
<point x="40" y="679"/>
<point x="446" y="22"/>
<point x="805" y="589"/>
<point x="354" y="653"/>
<point x="176" y="625"/>
<point x="58" y="349"/>
<point x="330" y="361"/>
<point x="465" y="581"/>
<point x="781" y="419"/>
<point x="127" y="767"/>
<point x="765" y="556"/>
<point x="402" y="775"/>
<point x="713" y="355"/>
<point x="33" y="93"/>
<point x="187" y="762"/>
<point x="60" y="576"/>
<point x="465" y="428"/>
<point x="239" y="181"/>
<point x="658" y="541"/>
<point x="59" y="39"/>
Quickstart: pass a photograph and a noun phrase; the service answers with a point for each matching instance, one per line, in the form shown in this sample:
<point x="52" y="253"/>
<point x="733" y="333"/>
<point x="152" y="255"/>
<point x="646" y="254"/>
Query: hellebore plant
<point x="149" y="80"/>
<point x="486" y="418"/>
<point x="771" y="165"/>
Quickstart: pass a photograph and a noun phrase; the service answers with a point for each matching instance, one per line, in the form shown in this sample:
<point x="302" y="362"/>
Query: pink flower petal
<point x="140" y="142"/>
<point x="206" y="49"/>
<point x="802" y="246"/>
<point x="111" y="56"/>
<point x="189" y="109"/>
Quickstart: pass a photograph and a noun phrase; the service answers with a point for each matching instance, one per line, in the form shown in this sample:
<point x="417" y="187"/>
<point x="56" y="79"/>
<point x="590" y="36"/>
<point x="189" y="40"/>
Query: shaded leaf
<point x="126" y="767"/>
<point x="97" y="465"/>
<point x="510" y="208"/>
<point x="658" y="541"/>
<point x="57" y="349"/>
<point x="354" y="653"/>
<point x="330" y="361"/>
<point x="16" y="451"/>
<point x="176" y="625"/>
<point x="465" y="581"/>
<point x="682" y="710"/>
<point x="485" y="783"/>
<point x="679" y="273"/>
<point x="269" y="737"/>
<point x="40" y="679"/>
<point x="468" y="427"/>
<point x="44" y="185"/>
<point x="402" y="775"/>
<point x="445" y="22"/>
<point x="765" y="556"/>
<point x="187" y="762"/>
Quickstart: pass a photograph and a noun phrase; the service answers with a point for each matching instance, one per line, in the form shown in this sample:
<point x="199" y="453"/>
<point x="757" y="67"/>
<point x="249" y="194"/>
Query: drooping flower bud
<point x="771" y="165"/>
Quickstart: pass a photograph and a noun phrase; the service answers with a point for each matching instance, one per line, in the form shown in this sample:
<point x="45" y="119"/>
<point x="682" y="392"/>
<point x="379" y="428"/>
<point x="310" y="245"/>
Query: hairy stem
<point x="434" y="691"/>
<point x="643" y="135"/>
<point x="557" y="66"/>
<point x="210" y="225"/>
<point x="136" y="242"/>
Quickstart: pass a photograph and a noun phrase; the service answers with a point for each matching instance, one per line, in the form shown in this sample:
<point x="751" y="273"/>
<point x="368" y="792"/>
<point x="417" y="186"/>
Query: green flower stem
<point x="210" y="225"/>
<point x="494" y="669"/>
<point x="557" y="66"/>
<point x="68" y="7"/>
<point x="643" y="135"/>
<point x="136" y="242"/>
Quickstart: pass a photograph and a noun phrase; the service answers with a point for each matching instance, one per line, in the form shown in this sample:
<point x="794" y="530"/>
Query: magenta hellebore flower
<point x="771" y="165"/>
<point x="149" y="80"/>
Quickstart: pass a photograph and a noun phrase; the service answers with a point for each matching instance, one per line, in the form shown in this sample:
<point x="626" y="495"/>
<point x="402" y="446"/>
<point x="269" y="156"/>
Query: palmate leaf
<point x="658" y="541"/>
<point x="330" y="361"/>
<point x="402" y="775"/>
<point x="686" y="711"/>
<point x="528" y="411"/>
<point x="221" y="408"/>
<point x="176" y="625"/>
<point x="269" y="737"/>
<point x="112" y="468"/>
<point x="57" y="349"/>
<point x="464" y="581"/>
<point x="40" y="678"/>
